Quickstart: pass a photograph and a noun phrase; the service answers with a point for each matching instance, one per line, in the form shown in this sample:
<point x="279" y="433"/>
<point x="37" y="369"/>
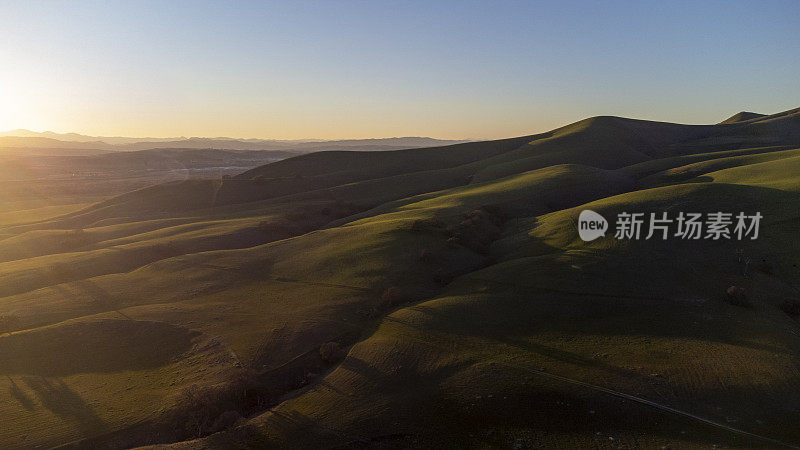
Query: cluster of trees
<point x="331" y="352"/>
<point x="478" y="229"/>
<point x="204" y="410"/>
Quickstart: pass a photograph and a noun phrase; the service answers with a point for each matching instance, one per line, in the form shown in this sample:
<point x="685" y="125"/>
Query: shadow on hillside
<point x="103" y="346"/>
<point x="742" y="406"/>
<point x="62" y="401"/>
<point x="19" y="395"/>
<point x="359" y="366"/>
<point x="542" y="350"/>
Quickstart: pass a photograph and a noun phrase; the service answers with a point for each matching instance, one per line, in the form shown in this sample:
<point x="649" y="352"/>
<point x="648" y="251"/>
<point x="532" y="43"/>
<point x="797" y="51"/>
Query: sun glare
<point x="13" y="113"/>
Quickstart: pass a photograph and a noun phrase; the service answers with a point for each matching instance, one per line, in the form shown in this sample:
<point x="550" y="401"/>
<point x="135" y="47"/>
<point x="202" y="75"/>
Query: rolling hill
<point x="418" y="298"/>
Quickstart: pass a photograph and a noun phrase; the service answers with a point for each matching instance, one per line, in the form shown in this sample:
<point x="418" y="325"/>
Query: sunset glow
<point x="359" y="69"/>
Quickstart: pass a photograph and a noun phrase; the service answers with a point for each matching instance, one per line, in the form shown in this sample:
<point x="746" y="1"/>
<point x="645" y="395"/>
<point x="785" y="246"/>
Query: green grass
<point x="187" y="282"/>
<point x="776" y="174"/>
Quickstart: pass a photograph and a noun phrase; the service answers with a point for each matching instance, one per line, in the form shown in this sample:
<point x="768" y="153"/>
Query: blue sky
<point x="339" y="69"/>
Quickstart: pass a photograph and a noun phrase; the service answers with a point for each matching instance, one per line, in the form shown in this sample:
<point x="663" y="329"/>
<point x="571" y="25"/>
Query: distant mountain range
<point x="30" y="139"/>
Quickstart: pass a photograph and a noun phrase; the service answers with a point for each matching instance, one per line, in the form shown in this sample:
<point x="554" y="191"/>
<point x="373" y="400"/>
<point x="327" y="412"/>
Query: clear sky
<point x="355" y="69"/>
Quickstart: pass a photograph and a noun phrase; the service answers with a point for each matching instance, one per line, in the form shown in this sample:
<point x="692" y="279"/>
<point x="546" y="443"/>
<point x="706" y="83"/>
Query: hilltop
<point x="743" y="116"/>
<point x="419" y="297"/>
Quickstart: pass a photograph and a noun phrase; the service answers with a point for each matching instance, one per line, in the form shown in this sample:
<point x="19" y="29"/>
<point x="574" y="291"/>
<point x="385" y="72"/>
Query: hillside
<point x="468" y="312"/>
<point x="743" y="116"/>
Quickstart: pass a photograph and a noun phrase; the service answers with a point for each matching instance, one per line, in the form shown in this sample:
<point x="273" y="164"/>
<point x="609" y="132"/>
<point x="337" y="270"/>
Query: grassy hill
<point x="464" y="308"/>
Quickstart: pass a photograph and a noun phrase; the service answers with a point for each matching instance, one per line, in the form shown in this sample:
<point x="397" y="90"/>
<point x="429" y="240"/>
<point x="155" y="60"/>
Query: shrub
<point x="198" y="405"/>
<point x="392" y="296"/>
<point x="496" y="214"/>
<point x="9" y="323"/>
<point x="330" y="352"/>
<point x="378" y="309"/>
<point x="791" y="306"/>
<point x="204" y="409"/>
<point x="224" y="421"/>
<point x="478" y="228"/>
<point x="243" y="383"/>
<point x="737" y="296"/>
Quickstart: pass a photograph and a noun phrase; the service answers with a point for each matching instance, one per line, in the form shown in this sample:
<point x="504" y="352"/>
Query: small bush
<point x="378" y="309"/>
<point x="225" y="421"/>
<point x="393" y="296"/>
<point x="243" y="383"/>
<point x="478" y="229"/>
<point x="737" y="296"/>
<point x="791" y="306"/>
<point x="390" y="298"/>
<point x="197" y="405"/>
<point x="201" y="410"/>
<point x="307" y="379"/>
<point x="330" y="352"/>
<point x="496" y="214"/>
